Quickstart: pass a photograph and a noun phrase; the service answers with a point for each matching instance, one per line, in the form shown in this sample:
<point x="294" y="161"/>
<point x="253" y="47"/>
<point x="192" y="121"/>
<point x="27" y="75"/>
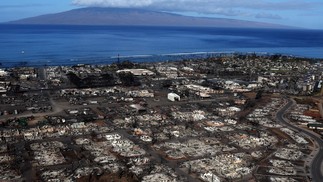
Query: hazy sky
<point x="301" y="13"/>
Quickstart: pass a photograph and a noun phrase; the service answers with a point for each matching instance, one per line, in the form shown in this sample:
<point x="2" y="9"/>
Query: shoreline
<point x="144" y="58"/>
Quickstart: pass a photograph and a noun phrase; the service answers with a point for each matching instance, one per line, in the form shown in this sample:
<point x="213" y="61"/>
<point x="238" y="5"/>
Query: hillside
<point x="136" y="17"/>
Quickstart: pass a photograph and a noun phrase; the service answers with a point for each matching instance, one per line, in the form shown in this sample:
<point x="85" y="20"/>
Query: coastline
<point x="142" y="58"/>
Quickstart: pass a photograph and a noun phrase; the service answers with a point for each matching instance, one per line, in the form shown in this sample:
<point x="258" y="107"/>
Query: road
<point x="317" y="161"/>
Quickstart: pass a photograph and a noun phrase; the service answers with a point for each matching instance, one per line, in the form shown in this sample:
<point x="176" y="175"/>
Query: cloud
<point x="315" y="14"/>
<point x="185" y="4"/>
<point x="114" y="3"/>
<point x="268" y="16"/>
<point x="220" y="7"/>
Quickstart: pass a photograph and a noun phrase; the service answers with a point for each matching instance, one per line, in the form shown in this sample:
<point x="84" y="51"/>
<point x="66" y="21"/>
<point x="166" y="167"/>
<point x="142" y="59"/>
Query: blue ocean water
<point x="57" y="45"/>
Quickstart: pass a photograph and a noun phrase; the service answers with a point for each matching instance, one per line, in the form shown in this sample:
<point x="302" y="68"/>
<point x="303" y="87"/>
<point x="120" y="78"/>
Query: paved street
<point x="316" y="164"/>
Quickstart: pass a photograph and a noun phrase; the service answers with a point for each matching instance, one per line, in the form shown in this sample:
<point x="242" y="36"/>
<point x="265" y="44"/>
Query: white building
<point x="173" y="97"/>
<point x="3" y="73"/>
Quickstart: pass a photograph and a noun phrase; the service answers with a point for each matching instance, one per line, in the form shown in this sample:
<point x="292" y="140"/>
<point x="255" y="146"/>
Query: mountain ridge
<point x="137" y="17"/>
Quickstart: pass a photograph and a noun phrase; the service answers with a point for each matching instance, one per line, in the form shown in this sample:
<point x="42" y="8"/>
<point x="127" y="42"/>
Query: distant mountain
<point x="136" y="17"/>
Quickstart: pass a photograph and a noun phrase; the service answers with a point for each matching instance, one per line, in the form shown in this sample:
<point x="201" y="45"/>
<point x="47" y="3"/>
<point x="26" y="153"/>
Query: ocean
<point x="67" y="45"/>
